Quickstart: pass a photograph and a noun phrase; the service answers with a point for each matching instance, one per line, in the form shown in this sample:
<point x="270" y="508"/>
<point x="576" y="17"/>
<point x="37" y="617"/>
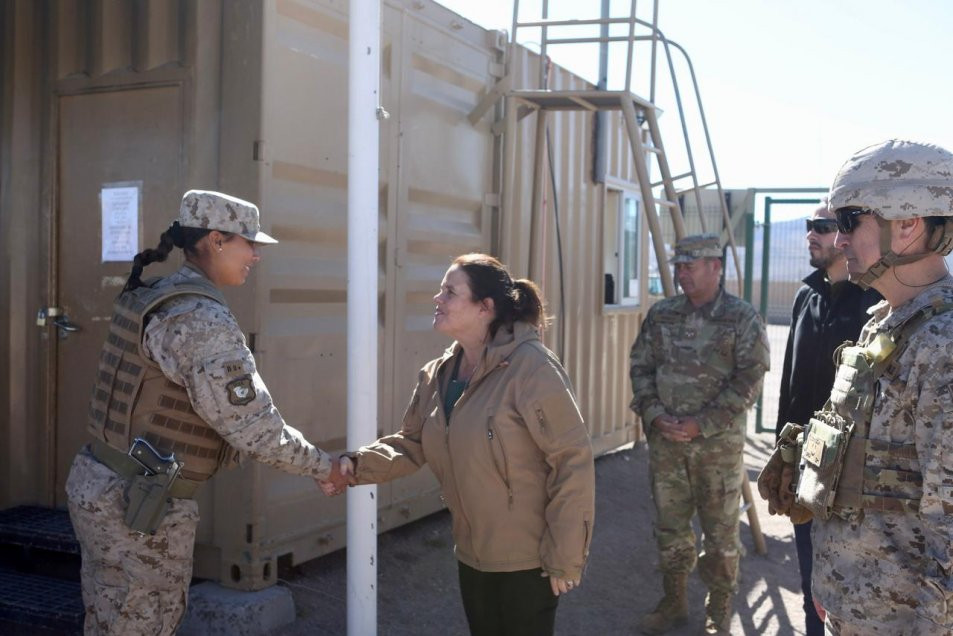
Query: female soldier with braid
<point x="496" y="419"/>
<point x="175" y="378"/>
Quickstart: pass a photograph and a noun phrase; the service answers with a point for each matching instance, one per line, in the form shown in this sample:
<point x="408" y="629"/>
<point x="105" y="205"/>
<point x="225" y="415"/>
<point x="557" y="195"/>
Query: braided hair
<point x="513" y="300"/>
<point x="185" y="238"/>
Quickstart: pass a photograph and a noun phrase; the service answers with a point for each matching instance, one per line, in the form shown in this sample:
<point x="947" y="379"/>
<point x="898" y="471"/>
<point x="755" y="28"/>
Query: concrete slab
<point x="218" y="611"/>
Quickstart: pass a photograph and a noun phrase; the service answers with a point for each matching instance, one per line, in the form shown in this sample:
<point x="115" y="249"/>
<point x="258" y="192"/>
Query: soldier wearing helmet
<point x="874" y="466"/>
<point x="905" y="191"/>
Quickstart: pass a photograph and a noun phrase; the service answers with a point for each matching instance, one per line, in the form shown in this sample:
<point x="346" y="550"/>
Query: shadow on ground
<point x="418" y="592"/>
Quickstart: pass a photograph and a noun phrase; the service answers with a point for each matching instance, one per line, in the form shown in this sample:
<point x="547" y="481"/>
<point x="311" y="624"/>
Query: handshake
<point x="340" y="477"/>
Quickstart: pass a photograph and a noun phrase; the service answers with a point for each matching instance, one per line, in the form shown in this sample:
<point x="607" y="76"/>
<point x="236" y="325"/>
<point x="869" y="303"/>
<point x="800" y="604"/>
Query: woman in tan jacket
<point x="496" y="419"/>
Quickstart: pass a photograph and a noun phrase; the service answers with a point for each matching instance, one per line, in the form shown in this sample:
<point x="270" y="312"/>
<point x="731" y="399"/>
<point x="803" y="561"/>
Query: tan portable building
<point x="144" y="100"/>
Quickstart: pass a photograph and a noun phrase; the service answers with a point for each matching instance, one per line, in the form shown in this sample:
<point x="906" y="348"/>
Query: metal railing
<point x="655" y="37"/>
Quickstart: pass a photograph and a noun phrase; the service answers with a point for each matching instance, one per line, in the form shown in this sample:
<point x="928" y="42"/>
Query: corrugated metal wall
<point x="98" y="38"/>
<point x="263" y="93"/>
<point x="436" y="169"/>
<point x="594" y="340"/>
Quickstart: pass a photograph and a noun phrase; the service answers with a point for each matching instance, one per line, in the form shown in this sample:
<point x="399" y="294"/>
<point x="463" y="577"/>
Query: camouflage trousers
<point x="916" y="626"/>
<point x="702" y="476"/>
<point x="132" y="584"/>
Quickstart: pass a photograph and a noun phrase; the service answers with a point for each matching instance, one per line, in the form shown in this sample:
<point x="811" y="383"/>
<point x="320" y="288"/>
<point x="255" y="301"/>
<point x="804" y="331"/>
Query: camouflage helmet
<point x="897" y="180"/>
<point x="216" y="211"/>
<point x="690" y="248"/>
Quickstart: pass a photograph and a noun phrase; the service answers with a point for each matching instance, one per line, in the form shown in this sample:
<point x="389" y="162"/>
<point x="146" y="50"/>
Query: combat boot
<point x="718" y="612"/>
<point x="672" y="610"/>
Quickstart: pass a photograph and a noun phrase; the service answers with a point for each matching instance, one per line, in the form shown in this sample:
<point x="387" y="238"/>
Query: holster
<point x="148" y="500"/>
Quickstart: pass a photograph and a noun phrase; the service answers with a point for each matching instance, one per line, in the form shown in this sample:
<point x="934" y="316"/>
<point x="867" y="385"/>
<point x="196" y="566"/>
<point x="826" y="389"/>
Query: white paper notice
<point x="120" y="223"/>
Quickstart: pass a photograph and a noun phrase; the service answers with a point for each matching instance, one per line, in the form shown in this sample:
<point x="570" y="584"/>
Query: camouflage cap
<point x="216" y="211"/>
<point x="696" y="246"/>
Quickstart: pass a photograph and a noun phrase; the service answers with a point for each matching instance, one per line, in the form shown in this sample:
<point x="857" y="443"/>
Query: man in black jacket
<point x="827" y="311"/>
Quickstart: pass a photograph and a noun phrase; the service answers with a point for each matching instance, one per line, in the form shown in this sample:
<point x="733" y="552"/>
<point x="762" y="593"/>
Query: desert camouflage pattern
<point x="199" y="345"/>
<point x="138" y="585"/>
<point x="898" y="179"/>
<point x="132" y="583"/>
<point x="708" y="363"/>
<point x="890" y="572"/>
<point x="217" y="211"/>
<point x="697" y="246"/>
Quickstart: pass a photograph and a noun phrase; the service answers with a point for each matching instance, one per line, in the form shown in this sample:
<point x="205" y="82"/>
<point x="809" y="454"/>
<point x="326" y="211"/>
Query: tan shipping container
<point x="250" y="97"/>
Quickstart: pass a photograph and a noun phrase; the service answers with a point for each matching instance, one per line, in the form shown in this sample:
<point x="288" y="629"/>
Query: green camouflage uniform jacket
<point x="708" y="362"/>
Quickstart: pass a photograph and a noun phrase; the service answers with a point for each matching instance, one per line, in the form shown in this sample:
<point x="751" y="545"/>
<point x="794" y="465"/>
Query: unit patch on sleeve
<point x="241" y="391"/>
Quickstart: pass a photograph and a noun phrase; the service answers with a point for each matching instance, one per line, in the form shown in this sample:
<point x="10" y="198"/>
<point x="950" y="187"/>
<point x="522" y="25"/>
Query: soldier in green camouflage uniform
<point x="696" y="368"/>
<point x="885" y="564"/>
<point x="191" y="346"/>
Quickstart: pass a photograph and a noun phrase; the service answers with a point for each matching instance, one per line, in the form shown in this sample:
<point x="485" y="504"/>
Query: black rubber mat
<point x="40" y="528"/>
<point x="39" y="603"/>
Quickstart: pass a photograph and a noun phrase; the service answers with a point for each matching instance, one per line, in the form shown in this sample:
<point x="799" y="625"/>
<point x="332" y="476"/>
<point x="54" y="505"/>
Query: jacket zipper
<point x="446" y="441"/>
<point x="473" y="385"/>
<point x="446" y="437"/>
<point x="506" y="465"/>
<point x="541" y="418"/>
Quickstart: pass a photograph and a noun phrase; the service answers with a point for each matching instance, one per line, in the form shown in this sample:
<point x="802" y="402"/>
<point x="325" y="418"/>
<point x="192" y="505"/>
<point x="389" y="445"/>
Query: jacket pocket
<point x="558" y="418"/>
<point x="498" y="452"/>
<point x="719" y="352"/>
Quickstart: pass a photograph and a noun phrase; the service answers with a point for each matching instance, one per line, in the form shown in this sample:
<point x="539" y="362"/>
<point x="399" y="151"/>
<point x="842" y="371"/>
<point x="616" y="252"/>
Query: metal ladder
<point x="645" y="142"/>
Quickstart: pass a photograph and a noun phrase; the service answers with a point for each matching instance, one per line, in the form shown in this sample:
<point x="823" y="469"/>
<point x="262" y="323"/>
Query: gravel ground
<point x="417" y="575"/>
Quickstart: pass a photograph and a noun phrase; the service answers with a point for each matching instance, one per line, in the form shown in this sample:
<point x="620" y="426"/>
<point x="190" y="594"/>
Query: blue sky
<point x="790" y="89"/>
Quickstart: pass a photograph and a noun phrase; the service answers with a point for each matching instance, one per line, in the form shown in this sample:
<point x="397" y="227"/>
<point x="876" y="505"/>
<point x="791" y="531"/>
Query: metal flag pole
<point x="363" y="170"/>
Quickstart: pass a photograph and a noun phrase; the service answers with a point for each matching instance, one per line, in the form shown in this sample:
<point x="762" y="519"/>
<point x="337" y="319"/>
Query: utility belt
<point x="152" y="481"/>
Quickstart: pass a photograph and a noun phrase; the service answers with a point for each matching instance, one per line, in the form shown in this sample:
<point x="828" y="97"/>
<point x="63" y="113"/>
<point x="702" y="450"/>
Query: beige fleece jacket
<point x="514" y="462"/>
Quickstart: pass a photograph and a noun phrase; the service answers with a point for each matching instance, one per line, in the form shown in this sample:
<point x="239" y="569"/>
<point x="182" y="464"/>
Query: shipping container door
<point x="119" y="157"/>
<point x="445" y="169"/>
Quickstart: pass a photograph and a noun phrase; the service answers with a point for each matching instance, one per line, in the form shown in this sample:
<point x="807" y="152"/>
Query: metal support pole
<point x="536" y="237"/>
<point x="600" y="131"/>
<point x="763" y="300"/>
<point x="765" y="251"/>
<point x="363" y="167"/>
<point x="749" y="254"/>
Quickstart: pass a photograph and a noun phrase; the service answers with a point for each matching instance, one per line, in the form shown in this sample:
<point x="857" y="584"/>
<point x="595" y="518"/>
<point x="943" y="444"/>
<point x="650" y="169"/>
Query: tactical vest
<point x="133" y="398"/>
<point x="836" y="475"/>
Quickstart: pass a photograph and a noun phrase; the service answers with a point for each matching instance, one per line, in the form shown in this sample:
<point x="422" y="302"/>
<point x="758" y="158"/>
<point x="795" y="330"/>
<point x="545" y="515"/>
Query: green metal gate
<point x="778" y="251"/>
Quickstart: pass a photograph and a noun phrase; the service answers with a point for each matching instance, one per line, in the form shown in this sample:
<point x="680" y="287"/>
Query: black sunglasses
<point x="822" y="226"/>
<point x="849" y="218"/>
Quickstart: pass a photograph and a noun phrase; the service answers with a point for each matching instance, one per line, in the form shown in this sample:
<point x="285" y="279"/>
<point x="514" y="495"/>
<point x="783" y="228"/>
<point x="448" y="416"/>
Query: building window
<point x="623" y="247"/>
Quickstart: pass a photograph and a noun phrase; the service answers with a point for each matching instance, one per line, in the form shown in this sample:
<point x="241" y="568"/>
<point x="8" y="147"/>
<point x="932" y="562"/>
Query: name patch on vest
<point x="240" y="391"/>
<point x="813" y="450"/>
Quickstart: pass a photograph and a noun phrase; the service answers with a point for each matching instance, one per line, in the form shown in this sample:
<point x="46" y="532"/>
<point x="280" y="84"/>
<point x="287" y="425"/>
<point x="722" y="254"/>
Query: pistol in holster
<point x="147" y="494"/>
